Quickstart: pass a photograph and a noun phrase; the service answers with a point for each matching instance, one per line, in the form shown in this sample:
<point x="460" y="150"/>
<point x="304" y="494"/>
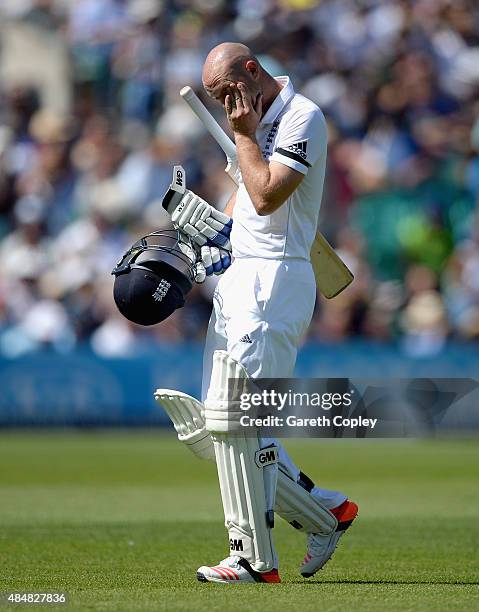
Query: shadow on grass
<point x="347" y="581"/>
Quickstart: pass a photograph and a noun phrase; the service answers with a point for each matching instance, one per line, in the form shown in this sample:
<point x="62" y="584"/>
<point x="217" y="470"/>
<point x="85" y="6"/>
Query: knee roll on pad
<point x="228" y="380"/>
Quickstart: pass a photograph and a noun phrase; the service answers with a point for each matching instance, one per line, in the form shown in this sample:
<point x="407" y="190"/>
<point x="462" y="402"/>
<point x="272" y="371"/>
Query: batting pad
<point x="243" y="485"/>
<point x="293" y="503"/>
<point x="186" y="414"/>
<point x="296" y="505"/>
<point x="246" y="472"/>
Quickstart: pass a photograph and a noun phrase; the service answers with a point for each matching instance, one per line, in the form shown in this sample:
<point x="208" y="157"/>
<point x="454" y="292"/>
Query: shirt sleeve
<point x="302" y="140"/>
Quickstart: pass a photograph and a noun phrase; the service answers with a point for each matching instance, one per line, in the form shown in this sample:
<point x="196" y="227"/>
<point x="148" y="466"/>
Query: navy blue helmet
<point x="154" y="276"/>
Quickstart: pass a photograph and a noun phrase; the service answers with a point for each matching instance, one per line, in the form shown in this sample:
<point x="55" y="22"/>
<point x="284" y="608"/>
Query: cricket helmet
<point x="154" y="276"/>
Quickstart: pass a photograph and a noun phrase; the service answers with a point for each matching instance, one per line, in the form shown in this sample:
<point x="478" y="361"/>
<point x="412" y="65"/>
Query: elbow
<point x="263" y="211"/>
<point x="265" y="207"/>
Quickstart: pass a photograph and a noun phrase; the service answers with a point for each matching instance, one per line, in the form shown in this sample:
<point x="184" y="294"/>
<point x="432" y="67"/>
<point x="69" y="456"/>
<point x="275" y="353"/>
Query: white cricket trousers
<point x="261" y="310"/>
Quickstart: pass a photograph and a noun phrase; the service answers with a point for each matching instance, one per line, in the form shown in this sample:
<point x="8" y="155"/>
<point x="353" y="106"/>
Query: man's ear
<point x="253" y="68"/>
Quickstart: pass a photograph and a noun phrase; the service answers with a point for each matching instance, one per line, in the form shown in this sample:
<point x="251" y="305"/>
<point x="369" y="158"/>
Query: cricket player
<point x="262" y="307"/>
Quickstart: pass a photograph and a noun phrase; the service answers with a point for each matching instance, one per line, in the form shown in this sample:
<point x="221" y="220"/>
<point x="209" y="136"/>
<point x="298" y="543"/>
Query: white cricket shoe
<point x="235" y="569"/>
<point x="321" y="547"/>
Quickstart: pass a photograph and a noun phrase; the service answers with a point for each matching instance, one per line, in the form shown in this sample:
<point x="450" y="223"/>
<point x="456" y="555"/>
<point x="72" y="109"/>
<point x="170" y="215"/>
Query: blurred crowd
<point x="91" y="124"/>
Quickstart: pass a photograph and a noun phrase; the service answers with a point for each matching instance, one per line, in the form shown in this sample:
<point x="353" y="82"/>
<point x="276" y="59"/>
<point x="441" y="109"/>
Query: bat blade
<point x="331" y="273"/>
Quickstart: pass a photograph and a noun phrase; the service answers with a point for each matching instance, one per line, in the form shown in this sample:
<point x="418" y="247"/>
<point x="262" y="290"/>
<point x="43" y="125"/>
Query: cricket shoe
<point x="322" y="547"/>
<point x="235" y="570"/>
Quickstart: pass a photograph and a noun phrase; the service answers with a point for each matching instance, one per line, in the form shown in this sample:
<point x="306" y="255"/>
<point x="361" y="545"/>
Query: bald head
<point x="229" y="63"/>
<point x="225" y="58"/>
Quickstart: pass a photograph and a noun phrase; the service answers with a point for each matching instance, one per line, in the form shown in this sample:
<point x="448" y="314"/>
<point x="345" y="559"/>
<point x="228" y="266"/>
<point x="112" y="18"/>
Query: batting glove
<point x="192" y="215"/>
<point x="215" y="260"/>
<point x="206" y="260"/>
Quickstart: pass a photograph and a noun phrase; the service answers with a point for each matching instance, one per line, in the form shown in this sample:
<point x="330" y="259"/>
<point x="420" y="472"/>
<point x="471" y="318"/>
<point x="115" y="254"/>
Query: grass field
<point x="121" y="521"/>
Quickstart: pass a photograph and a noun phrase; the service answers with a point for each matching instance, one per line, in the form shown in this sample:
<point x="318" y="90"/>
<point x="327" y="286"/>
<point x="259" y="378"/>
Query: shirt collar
<point x="284" y="96"/>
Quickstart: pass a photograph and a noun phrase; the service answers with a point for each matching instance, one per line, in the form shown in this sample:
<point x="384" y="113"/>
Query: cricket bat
<point x="332" y="274"/>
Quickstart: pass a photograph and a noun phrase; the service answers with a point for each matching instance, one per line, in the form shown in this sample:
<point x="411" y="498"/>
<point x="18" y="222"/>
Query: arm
<point x="269" y="185"/>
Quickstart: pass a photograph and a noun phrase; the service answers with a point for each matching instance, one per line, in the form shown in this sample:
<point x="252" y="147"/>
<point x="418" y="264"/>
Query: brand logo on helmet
<point x="161" y="290"/>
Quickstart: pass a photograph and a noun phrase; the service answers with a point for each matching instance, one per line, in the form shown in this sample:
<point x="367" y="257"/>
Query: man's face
<point x="220" y="86"/>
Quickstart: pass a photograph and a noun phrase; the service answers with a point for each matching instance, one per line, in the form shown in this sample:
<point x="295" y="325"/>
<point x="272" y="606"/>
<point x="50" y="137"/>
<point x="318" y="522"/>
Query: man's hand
<point x="194" y="216"/>
<point x="202" y="222"/>
<point x="206" y="260"/>
<point x="215" y="260"/>
<point x="243" y="115"/>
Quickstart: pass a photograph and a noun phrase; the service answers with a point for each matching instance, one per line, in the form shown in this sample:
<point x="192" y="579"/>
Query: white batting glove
<point x="199" y="272"/>
<point x="194" y="255"/>
<point x="215" y="260"/>
<point x="206" y="260"/>
<point x="194" y="216"/>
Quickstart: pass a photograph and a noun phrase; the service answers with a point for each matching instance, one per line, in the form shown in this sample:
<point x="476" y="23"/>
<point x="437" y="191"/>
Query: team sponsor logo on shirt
<point x="299" y="148"/>
<point x="296" y="151"/>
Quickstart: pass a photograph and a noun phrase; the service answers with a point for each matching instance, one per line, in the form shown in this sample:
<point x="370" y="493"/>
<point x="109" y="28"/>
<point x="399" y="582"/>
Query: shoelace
<point x="229" y="562"/>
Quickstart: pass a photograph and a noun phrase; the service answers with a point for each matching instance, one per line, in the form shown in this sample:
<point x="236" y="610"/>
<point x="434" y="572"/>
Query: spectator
<point x="81" y="180"/>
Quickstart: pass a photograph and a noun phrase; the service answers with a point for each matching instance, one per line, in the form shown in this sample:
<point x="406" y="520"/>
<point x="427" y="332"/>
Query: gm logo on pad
<point x="236" y="544"/>
<point x="266" y="456"/>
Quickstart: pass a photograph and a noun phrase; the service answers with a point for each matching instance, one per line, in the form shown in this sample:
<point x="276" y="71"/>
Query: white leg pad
<point x="293" y="503"/>
<point x="243" y="492"/>
<point x="186" y="414"/>
<point x="247" y="473"/>
<point x="299" y="507"/>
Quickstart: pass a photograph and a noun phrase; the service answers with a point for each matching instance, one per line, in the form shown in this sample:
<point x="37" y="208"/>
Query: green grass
<point x="121" y="522"/>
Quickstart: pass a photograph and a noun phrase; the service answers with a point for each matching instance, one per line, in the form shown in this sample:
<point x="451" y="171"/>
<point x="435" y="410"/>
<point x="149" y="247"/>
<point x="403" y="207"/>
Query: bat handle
<point x="232" y="170"/>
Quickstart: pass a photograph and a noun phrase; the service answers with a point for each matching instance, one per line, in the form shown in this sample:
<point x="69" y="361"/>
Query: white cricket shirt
<point x="292" y="132"/>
